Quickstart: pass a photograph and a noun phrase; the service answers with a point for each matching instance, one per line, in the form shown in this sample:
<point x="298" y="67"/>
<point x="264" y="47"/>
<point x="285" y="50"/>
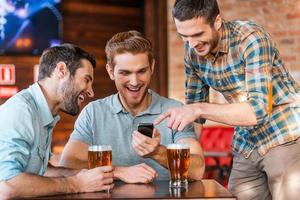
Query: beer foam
<point x="100" y="148"/>
<point x="178" y="146"/>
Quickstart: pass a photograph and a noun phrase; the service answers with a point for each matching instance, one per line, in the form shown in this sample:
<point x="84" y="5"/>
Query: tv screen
<point x="29" y="26"/>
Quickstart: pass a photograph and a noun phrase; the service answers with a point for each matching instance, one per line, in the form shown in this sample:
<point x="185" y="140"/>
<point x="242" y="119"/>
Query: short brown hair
<point x="68" y="53"/>
<point x="188" y="9"/>
<point x="128" y="42"/>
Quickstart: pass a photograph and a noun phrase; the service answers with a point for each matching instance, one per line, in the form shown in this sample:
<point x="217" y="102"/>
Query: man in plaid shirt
<point x="240" y="60"/>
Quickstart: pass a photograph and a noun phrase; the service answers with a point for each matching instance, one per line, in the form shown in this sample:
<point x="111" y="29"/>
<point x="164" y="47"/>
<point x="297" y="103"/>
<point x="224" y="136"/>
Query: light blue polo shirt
<point x="113" y="125"/>
<point x="26" y="125"/>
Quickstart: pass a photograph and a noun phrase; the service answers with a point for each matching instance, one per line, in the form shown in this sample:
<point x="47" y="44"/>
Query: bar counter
<point x="205" y="189"/>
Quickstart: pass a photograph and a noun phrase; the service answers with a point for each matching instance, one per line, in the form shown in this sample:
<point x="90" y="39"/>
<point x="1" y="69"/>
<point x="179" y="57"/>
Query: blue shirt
<point x="113" y="125"/>
<point x="26" y="125"/>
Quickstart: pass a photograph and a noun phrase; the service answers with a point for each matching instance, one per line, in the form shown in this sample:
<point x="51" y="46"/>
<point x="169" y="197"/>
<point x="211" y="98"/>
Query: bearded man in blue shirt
<point x="27" y="121"/>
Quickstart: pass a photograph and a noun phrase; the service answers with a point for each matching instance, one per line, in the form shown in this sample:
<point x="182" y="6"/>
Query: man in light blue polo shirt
<point x="27" y="121"/>
<point x="114" y="119"/>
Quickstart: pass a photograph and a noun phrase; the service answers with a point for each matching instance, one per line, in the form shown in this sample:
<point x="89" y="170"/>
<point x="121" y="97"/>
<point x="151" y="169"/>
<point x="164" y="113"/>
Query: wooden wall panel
<point x="156" y="31"/>
<point x="89" y="24"/>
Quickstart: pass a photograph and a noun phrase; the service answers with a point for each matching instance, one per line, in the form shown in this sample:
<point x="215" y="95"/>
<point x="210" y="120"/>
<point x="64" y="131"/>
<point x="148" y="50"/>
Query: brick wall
<point x="281" y="18"/>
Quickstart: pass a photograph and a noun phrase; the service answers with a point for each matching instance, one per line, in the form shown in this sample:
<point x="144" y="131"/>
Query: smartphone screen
<point x="146" y="129"/>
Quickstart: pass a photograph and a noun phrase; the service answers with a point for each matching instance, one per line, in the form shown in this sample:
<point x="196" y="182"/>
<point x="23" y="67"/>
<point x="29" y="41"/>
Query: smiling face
<point x="77" y="88"/>
<point x="199" y="34"/>
<point x="132" y="75"/>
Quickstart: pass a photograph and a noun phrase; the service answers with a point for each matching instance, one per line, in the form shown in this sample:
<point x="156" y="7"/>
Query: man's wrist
<point x="71" y="183"/>
<point x="66" y="172"/>
<point x="118" y="170"/>
<point x="159" y="154"/>
<point x="61" y="171"/>
<point x="198" y="107"/>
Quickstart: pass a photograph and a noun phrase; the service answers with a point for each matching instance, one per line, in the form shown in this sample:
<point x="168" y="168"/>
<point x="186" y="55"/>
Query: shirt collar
<point x="154" y="108"/>
<point x="116" y="104"/>
<point x="44" y="112"/>
<point x="225" y="38"/>
<point x="224" y="43"/>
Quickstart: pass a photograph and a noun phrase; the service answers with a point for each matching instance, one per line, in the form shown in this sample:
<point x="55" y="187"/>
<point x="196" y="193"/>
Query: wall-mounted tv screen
<point x="29" y="26"/>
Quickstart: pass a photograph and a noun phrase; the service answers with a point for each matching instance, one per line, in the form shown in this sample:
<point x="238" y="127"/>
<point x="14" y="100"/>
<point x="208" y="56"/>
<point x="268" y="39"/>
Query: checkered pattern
<point x="245" y="65"/>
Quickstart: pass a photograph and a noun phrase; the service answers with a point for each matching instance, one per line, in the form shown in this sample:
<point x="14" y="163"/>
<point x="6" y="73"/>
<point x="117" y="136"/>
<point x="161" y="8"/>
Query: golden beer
<point x="178" y="162"/>
<point x="99" y="155"/>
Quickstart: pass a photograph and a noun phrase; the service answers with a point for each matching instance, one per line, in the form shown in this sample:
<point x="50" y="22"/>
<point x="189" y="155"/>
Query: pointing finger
<point x="162" y="117"/>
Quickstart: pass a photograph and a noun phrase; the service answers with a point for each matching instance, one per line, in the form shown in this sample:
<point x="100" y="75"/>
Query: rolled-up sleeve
<point x="83" y="126"/>
<point x="257" y="54"/>
<point x="188" y="132"/>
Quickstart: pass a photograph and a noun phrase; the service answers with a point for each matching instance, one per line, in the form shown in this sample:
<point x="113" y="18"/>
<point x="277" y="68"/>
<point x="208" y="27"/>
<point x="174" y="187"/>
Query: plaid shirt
<point x="246" y="63"/>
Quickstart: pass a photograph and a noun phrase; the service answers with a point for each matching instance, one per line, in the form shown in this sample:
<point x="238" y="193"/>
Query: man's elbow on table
<point x="201" y="172"/>
<point x="198" y="171"/>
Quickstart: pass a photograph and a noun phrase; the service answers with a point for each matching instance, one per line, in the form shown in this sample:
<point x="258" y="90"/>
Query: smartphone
<point x="146" y="129"/>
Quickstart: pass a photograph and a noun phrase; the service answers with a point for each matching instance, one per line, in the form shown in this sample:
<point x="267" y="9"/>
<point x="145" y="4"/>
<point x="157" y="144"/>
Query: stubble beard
<point x="70" y="99"/>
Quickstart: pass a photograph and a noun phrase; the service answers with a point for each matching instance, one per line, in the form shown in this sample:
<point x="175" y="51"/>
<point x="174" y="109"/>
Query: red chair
<point x="216" y="144"/>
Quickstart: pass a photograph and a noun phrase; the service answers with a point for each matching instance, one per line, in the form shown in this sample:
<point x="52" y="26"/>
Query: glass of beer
<point x="99" y="155"/>
<point x="178" y="162"/>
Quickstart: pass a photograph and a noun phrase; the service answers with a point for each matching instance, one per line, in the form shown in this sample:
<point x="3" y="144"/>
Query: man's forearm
<point x="160" y="156"/>
<point x="60" y="171"/>
<point x="236" y="114"/>
<point x="197" y="167"/>
<point x="27" y="185"/>
<point x="73" y="163"/>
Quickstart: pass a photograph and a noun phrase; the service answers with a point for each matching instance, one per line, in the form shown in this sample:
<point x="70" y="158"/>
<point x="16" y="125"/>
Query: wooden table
<point x="205" y="189"/>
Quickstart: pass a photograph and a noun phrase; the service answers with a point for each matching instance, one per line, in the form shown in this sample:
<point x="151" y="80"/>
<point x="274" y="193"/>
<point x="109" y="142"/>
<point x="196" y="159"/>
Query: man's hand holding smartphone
<point x="146" y="129"/>
<point x="144" y="141"/>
